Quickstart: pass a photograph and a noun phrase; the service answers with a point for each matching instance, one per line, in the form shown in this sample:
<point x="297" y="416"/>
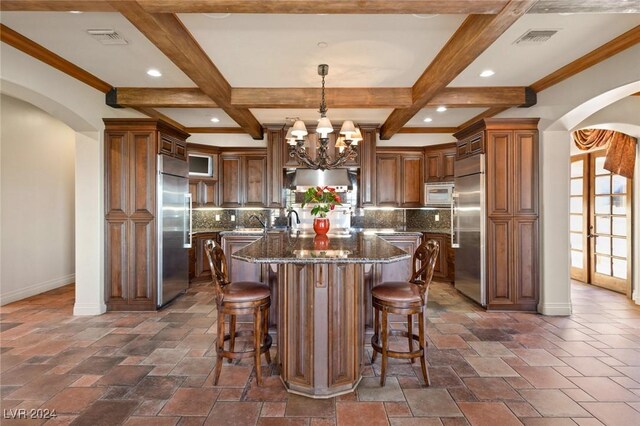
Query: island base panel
<point x="321" y="335"/>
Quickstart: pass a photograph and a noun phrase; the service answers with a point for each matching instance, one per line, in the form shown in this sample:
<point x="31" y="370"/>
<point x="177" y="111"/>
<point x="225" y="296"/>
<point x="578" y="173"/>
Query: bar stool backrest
<point x="218" y="266"/>
<point x="424" y="263"/>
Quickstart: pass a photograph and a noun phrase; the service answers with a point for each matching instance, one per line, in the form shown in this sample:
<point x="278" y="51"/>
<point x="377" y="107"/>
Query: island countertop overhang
<point x="287" y="248"/>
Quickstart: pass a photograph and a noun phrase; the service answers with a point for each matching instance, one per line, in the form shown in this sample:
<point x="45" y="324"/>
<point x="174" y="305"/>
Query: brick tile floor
<point x="486" y="368"/>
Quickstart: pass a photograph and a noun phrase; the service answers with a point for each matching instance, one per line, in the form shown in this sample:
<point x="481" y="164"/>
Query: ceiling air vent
<point x="535" y="36"/>
<point x="107" y="37"/>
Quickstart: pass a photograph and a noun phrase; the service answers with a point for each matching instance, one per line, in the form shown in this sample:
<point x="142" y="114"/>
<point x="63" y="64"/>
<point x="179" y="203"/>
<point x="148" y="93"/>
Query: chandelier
<point x="346" y="141"/>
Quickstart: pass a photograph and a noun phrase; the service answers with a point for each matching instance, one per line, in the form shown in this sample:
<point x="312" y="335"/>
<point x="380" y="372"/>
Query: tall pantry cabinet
<point x="131" y="150"/>
<point x="512" y="200"/>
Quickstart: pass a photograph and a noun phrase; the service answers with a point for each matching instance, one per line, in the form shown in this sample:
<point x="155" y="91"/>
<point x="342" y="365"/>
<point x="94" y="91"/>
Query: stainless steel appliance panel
<point x="174" y="239"/>
<point x="469" y="218"/>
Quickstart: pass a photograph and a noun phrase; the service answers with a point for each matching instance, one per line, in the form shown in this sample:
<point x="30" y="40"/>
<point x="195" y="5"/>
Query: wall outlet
<point x="437" y="218"/>
<point x="233" y="218"/>
<point x="217" y="218"/>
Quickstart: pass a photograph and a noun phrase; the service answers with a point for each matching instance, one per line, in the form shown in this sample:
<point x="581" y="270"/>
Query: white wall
<point x="37" y="198"/>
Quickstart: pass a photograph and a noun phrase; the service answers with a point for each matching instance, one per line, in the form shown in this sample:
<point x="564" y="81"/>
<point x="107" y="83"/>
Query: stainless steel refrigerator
<point x="174" y="228"/>
<point x="469" y="228"/>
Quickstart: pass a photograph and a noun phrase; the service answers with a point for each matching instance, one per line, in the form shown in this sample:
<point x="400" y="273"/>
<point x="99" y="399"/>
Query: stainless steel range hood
<point x="302" y="179"/>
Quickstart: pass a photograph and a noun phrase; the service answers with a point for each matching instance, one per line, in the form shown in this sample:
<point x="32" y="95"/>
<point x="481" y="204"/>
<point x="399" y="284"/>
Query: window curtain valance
<point x="621" y="149"/>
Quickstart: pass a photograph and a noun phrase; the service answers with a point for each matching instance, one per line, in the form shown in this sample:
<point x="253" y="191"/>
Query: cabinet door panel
<point x="275" y="148"/>
<point x="116" y="265"/>
<point x="499" y="176"/>
<point x="526" y="173"/>
<point x="448" y="165"/>
<point x="388" y="180"/>
<point x="142" y="261"/>
<point x="117" y="173"/>
<point x="412" y="181"/>
<point x="255" y="181"/>
<point x="367" y="152"/>
<point x="525" y="262"/>
<point x="143" y="184"/>
<point x="441" y="267"/>
<point x="231" y="181"/>
<point x="499" y="271"/>
<point x="433" y="161"/>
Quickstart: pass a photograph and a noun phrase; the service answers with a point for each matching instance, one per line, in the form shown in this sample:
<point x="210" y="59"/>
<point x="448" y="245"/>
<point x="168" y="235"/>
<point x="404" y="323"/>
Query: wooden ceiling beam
<point x="607" y="50"/>
<point x="31" y="48"/>
<point x="473" y="37"/>
<point x="344" y="97"/>
<point x="460" y="7"/>
<point x="428" y="130"/>
<point x="169" y="35"/>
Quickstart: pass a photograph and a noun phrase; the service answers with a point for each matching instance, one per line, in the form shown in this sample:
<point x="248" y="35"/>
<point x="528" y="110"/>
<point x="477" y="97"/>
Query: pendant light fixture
<point x="349" y="137"/>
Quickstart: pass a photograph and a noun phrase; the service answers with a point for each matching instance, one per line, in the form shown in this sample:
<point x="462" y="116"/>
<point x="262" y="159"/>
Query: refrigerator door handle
<point x="455" y="222"/>
<point x="188" y="234"/>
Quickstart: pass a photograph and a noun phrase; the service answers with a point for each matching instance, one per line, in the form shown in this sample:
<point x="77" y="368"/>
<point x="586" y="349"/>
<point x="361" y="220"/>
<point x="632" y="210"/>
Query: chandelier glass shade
<point x="348" y="137"/>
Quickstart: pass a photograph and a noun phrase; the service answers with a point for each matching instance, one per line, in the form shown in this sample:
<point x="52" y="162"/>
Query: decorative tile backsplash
<point x="415" y="219"/>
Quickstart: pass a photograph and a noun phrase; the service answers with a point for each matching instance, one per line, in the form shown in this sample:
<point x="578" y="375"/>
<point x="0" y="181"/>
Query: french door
<point x="600" y="224"/>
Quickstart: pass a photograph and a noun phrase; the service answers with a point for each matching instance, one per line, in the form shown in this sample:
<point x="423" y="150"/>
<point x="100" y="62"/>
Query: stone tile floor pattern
<point x="487" y="368"/>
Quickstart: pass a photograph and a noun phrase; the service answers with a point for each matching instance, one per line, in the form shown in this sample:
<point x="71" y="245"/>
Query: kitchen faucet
<point x="260" y="219"/>
<point x="289" y="217"/>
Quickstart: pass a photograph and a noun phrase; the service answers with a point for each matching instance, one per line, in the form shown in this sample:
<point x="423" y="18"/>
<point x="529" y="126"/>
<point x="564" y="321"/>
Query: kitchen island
<point x="321" y="305"/>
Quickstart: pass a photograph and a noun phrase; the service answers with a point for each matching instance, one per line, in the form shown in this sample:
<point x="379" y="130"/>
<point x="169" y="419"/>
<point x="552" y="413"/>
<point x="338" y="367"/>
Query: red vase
<point x="321" y="225"/>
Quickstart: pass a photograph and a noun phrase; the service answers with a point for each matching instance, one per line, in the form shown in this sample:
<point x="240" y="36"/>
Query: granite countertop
<point x="372" y="231"/>
<point x="355" y="247"/>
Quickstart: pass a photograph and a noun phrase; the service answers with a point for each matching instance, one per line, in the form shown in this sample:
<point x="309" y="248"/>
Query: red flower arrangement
<point x="324" y="198"/>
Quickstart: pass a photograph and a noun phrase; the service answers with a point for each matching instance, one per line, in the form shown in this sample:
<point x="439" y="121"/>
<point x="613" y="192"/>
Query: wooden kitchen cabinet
<point x="199" y="269"/>
<point x="243" y="179"/>
<point x="204" y="189"/>
<point x="399" y="177"/>
<point x="439" y="163"/>
<point x="130" y="164"/>
<point x="443" y="270"/>
<point x="511" y="154"/>
<point x="367" y="152"/>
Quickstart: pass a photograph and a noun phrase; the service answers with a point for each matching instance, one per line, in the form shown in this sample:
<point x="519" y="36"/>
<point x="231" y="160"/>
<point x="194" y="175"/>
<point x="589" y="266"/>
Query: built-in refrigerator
<point x="469" y="228"/>
<point x="174" y="228"/>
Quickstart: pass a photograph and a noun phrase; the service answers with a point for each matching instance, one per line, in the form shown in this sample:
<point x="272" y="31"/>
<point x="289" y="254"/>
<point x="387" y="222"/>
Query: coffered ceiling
<point x="244" y="68"/>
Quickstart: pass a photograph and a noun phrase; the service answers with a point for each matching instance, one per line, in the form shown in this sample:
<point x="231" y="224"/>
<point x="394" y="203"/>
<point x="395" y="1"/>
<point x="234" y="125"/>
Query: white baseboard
<point x="89" y="309"/>
<point x="32" y="290"/>
<point x="555" y="309"/>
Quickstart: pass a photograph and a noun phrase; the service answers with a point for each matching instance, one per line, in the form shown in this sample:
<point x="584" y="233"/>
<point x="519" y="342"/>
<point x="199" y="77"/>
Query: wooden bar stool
<point x="404" y="298"/>
<point x="239" y="298"/>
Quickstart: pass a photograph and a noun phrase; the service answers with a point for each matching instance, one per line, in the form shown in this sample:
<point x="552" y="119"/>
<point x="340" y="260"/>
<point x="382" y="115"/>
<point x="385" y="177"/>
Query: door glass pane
<point x="603" y="204"/>
<point x="576" y="259"/>
<point x="575" y="223"/>
<point x="603" y="245"/>
<point x="619" y="226"/>
<point x="576" y="186"/>
<point x="600" y="166"/>
<point x="576" y="168"/>
<point x="576" y="241"/>
<point x="620" y="268"/>
<point x="576" y="205"/>
<point x="603" y="265"/>
<point x="619" y="247"/>
<point x="619" y="184"/>
<point x="618" y="204"/>
<point x="603" y="185"/>
<point x="603" y="225"/>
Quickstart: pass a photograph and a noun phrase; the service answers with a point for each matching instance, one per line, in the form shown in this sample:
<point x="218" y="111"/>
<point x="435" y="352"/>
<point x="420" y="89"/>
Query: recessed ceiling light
<point x="217" y="15"/>
<point x="423" y="16"/>
<point x="428" y="120"/>
<point x="215" y="120"/>
<point x="154" y="73"/>
<point x="75" y="12"/>
<point x="322" y="44"/>
<point x="487" y="73"/>
<point x="441" y="109"/>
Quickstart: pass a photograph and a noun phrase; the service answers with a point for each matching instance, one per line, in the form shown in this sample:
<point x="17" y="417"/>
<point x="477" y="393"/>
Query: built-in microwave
<point x="438" y="194"/>
<point x="202" y="165"/>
